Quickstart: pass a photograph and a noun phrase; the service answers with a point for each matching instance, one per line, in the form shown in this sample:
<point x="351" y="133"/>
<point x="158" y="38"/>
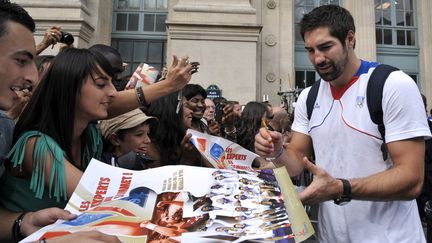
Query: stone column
<point x="277" y="45"/>
<point x="363" y="13"/>
<point x="222" y="35"/>
<point x="424" y="20"/>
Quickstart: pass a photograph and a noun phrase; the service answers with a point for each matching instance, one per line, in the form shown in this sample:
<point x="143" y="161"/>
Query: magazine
<point x="184" y="204"/>
<point x="222" y="153"/>
<point x="143" y="75"/>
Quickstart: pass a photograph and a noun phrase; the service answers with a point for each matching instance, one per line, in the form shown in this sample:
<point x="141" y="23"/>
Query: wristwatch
<point x="346" y="194"/>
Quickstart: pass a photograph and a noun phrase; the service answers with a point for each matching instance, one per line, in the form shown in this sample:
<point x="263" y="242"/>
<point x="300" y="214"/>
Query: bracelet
<point x="279" y="153"/>
<point x="230" y="132"/>
<point x="16" y="228"/>
<point x="151" y="226"/>
<point x="141" y="98"/>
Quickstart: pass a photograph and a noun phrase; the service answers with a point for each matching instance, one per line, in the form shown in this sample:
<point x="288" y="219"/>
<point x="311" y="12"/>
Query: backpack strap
<point x="311" y="98"/>
<point x="374" y="95"/>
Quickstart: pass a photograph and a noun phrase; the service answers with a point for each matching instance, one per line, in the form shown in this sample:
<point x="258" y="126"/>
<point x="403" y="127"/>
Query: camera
<point x="219" y="111"/>
<point x="66" y="38"/>
<point x="134" y="161"/>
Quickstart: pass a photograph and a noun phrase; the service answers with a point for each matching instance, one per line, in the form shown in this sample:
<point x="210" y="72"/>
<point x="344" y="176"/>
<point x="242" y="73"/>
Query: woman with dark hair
<point x="195" y="96"/>
<point x="170" y="144"/>
<point x="250" y="123"/>
<point x="56" y="135"/>
<point x="114" y="58"/>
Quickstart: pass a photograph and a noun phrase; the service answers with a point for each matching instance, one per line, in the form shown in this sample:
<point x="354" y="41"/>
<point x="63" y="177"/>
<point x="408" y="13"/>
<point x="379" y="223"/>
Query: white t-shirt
<point x="347" y="145"/>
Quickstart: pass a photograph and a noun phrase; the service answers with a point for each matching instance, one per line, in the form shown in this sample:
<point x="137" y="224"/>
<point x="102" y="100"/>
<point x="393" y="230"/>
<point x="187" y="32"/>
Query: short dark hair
<point x="111" y="54"/>
<point x="250" y="123"/>
<point x="171" y="129"/>
<point x="336" y="18"/>
<point x="190" y="90"/>
<point x="41" y="60"/>
<point x="14" y="12"/>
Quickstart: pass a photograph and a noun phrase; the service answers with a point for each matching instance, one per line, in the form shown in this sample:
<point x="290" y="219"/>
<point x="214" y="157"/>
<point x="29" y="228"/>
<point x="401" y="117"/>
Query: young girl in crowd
<point x="56" y="135"/>
<point x="250" y="123"/>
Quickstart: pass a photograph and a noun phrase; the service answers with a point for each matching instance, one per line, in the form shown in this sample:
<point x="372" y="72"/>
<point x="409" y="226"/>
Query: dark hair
<point x="190" y="90"/>
<point x="336" y="18"/>
<point x="171" y="129"/>
<point x="51" y="110"/>
<point x="250" y="124"/>
<point x="14" y="12"/>
<point x="219" y="99"/>
<point x="40" y="61"/>
<point x="281" y="121"/>
<point x="111" y="54"/>
<point x="424" y="101"/>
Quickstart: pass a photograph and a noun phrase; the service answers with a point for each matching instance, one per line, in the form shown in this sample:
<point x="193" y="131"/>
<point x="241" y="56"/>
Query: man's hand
<point x="51" y="37"/>
<point x="85" y="236"/>
<point x="324" y="187"/>
<point x="33" y="221"/>
<point x="268" y="143"/>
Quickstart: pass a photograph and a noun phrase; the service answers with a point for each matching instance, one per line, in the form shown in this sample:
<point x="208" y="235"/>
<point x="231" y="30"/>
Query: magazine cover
<point x="222" y="153"/>
<point x="143" y="75"/>
<point x="166" y="204"/>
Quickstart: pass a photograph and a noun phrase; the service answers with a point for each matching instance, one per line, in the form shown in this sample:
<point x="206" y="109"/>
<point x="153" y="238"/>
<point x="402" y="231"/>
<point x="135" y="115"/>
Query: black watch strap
<point x="346" y="194"/>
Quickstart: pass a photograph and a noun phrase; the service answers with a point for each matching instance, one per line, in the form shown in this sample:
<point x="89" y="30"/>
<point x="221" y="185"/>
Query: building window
<point x="139" y="32"/>
<point x="305" y="6"/>
<point x="140" y="16"/>
<point x="395" y="23"/>
<point x="413" y="76"/>
<point x="305" y="78"/>
<point x="134" y="52"/>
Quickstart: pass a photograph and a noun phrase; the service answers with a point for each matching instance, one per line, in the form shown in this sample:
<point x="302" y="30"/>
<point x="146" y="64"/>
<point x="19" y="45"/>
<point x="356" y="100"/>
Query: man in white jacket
<point x="17" y="73"/>
<point x="363" y="196"/>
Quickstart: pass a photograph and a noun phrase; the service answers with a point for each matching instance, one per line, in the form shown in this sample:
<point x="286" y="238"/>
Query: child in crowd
<point x="128" y="137"/>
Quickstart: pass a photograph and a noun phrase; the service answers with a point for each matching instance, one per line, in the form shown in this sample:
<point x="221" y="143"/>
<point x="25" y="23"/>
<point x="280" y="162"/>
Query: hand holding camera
<point x="194" y="67"/>
<point x="53" y="35"/>
<point x="66" y="38"/>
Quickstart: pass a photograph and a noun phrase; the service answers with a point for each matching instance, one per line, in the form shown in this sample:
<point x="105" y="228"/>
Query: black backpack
<point x="374" y="93"/>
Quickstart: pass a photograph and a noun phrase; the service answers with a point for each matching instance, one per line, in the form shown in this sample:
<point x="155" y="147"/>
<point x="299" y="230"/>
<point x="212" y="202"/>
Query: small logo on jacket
<point x="360" y="101"/>
<point x="316" y="106"/>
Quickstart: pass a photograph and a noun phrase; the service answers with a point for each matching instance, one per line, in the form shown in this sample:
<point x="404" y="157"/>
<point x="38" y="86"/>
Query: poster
<point x="184" y="204"/>
<point x="222" y="153"/>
